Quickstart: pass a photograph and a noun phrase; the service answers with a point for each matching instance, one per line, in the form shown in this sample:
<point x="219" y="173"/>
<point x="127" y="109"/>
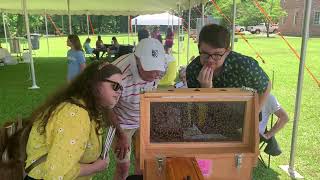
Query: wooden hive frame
<point x="250" y="139"/>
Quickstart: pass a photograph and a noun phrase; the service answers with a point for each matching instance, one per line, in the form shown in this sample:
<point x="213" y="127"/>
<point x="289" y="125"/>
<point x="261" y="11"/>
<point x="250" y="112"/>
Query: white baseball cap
<point x="151" y="54"/>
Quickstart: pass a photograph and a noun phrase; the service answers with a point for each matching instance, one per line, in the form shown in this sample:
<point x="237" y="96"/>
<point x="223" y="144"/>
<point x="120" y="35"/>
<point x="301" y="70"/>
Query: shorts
<point x="168" y="44"/>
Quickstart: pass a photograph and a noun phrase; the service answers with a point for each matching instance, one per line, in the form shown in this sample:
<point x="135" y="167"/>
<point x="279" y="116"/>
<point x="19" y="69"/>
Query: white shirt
<point x="271" y="106"/>
<point x="128" y="107"/>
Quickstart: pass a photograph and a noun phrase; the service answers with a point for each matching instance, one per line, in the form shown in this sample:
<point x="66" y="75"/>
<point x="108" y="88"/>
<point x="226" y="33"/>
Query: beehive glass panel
<point x="196" y="121"/>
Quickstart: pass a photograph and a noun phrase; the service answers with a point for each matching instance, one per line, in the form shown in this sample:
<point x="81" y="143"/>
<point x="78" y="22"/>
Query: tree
<point x="101" y="24"/>
<point x="248" y="13"/>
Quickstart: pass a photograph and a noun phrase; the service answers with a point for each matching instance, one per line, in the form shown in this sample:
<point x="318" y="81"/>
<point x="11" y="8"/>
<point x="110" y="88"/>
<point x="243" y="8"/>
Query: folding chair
<point x="123" y="49"/>
<point x="262" y="145"/>
<point x="91" y="56"/>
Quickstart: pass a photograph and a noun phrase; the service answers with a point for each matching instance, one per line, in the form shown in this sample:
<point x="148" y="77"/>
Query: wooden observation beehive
<point x="181" y="126"/>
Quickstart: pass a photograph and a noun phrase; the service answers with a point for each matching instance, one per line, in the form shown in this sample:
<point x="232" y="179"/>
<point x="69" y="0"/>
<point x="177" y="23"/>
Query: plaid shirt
<point x="238" y="70"/>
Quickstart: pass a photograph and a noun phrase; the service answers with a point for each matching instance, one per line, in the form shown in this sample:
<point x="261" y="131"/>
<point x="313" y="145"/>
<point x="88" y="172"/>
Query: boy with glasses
<point x="219" y="67"/>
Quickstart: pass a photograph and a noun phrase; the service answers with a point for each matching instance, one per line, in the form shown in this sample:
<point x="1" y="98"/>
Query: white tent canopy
<point x="93" y="7"/>
<point x="156" y="19"/>
<point x="96" y="7"/>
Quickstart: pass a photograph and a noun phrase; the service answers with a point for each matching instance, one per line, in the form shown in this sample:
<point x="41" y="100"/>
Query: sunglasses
<point x="115" y="85"/>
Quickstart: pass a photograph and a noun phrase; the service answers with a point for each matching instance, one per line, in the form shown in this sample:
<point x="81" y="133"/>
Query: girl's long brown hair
<point x="83" y="87"/>
<point x="75" y="41"/>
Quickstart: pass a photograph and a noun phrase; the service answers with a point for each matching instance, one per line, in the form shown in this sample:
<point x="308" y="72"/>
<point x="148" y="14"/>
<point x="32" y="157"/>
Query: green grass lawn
<point x="17" y="100"/>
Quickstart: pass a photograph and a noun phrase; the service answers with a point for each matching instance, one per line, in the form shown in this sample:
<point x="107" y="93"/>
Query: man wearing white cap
<point x="141" y="72"/>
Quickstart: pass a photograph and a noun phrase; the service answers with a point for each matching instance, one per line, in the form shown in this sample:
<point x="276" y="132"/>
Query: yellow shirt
<point x="69" y="140"/>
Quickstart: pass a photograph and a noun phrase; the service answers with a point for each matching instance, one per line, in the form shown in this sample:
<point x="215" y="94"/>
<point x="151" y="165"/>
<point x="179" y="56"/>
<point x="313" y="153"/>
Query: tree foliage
<point x="101" y="24"/>
<point x="247" y="14"/>
<point x="247" y="11"/>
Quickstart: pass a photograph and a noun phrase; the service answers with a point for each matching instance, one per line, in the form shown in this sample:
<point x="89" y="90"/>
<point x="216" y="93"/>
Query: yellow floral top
<point x="69" y="140"/>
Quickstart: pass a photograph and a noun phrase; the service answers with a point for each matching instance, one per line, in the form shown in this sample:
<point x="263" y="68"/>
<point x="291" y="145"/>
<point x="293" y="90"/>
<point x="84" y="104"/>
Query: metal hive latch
<point x="238" y="159"/>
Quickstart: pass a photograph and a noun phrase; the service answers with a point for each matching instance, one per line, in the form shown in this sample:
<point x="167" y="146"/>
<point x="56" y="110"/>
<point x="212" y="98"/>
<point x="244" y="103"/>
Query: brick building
<point x="292" y="24"/>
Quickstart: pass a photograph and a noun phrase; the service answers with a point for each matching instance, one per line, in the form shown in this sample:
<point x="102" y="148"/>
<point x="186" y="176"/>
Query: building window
<point x="295" y="18"/>
<point x="283" y="20"/>
<point x="316" y="19"/>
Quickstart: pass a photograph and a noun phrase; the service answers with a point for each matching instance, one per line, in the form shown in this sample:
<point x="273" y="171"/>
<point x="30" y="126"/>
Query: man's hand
<point x="205" y="77"/>
<point x="268" y="135"/>
<point x="122" y="146"/>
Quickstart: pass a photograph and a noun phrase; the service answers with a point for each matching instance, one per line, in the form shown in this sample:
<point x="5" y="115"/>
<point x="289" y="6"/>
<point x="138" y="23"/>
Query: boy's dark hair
<point x="215" y="35"/>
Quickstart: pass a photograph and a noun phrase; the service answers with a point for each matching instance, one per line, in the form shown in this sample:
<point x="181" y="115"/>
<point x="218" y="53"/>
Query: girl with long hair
<point x="76" y="59"/>
<point x="169" y="41"/>
<point x="67" y="129"/>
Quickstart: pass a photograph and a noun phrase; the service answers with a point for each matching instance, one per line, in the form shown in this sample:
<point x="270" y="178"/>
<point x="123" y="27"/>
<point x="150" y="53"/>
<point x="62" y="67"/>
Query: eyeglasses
<point x="214" y="56"/>
<point x="115" y="85"/>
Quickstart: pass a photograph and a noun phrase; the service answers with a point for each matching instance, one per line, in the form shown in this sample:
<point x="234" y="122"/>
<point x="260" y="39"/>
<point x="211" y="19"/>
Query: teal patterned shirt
<point x="238" y="70"/>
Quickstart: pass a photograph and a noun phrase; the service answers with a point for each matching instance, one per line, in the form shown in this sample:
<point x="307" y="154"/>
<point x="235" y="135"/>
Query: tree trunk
<point x="267" y="27"/>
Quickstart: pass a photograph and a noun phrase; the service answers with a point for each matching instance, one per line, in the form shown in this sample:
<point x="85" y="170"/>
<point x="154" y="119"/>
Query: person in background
<point x="182" y="83"/>
<point x="100" y="47"/>
<point x="219" y="67"/>
<point x="143" y="33"/>
<point x="169" y="41"/>
<point x="67" y="129"/>
<point x="142" y="71"/>
<point x="88" y="49"/>
<point x="114" y="49"/>
<point x="156" y="34"/>
<point x="75" y="56"/>
<point x="5" y="57"/>
<point x="272" y="106"/>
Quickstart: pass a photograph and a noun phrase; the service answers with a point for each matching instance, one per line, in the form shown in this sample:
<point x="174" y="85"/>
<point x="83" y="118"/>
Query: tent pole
<point x="305" y="36"/>
<point x="202" y="14"/>
<point x="4" y="29"/>
<point x="135" y="26"/>
<point x="69" y="15"/>
<point x="34" y="85"/>
<point x="62" y="24"/>
<point x="233" y="24"/>
<point x="46" y="23"/>
<point x="168" y="19"/>
<point x="189" y="20"/>
<point x="172" y="21"/>
<point x="88" y="24"/>
<point x="179" y="36"/>
<point x="128" y="30"/>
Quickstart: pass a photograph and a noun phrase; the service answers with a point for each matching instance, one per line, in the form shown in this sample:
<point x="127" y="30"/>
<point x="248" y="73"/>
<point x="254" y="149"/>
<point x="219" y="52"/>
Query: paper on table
<point x="205" y="166"/>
